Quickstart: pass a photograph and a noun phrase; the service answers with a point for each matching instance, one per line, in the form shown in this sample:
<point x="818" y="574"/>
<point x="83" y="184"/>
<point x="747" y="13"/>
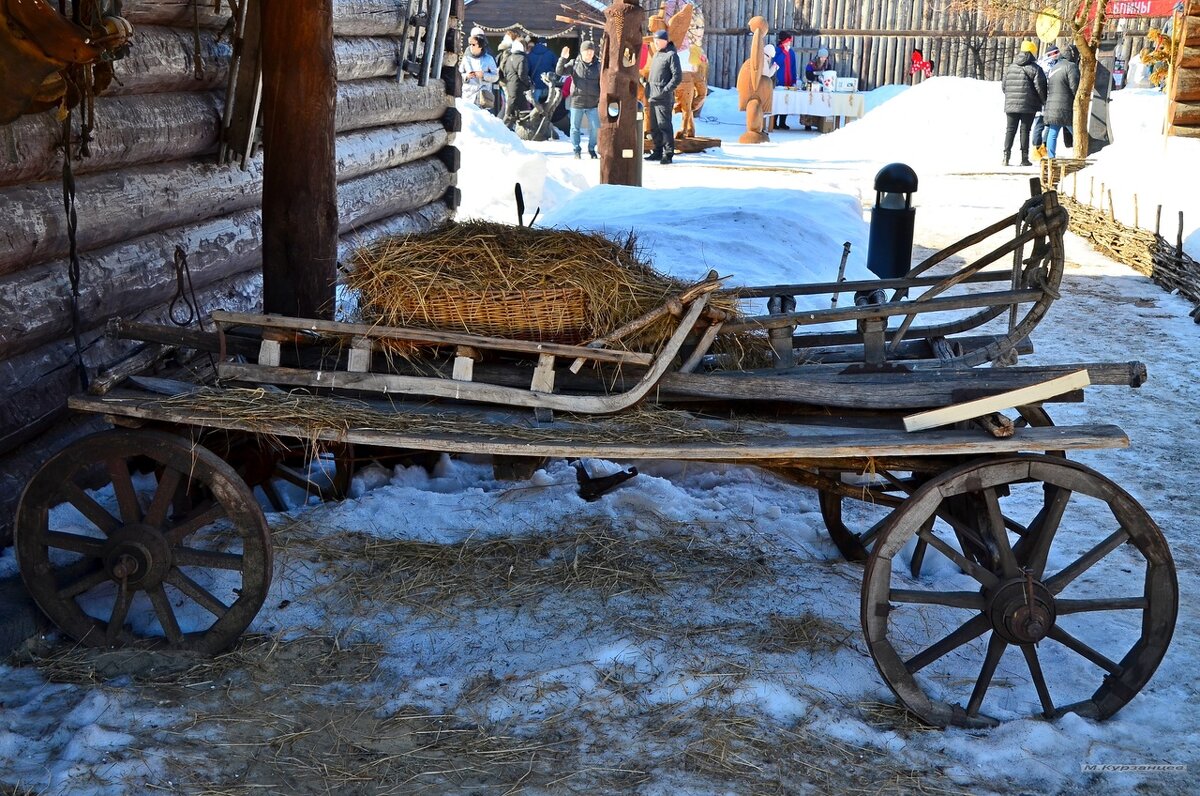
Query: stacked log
<point x="1183" y="110"/>
<point x="151" y="186"/>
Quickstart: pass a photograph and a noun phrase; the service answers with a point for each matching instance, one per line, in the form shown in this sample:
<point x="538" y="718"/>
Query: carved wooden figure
<point x="620" y="144"/>
<point x="754" y="88"/>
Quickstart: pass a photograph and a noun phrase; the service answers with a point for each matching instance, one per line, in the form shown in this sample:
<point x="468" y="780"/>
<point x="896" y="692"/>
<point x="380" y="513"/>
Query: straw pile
<point x="480" y="277"/>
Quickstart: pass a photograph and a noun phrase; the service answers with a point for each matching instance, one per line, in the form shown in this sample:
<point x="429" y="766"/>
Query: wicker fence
<point x="1148" y="253"/>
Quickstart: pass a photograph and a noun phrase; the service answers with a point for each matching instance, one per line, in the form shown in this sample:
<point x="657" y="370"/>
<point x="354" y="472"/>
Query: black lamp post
<point x="889" y="253"/>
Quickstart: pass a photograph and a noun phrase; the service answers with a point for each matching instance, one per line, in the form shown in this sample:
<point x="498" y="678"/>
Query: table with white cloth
<point x="802" y="102"/>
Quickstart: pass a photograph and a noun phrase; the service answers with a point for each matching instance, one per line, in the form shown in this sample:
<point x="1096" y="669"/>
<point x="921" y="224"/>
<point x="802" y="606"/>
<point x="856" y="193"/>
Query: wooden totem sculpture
<point x="754" y="88"/>
<point x="620" y="144"/>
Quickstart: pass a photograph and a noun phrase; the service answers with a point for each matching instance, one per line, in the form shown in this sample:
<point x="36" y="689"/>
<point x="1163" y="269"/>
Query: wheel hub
<point x="1022" y="610"/>
<point x="138" y="555"/>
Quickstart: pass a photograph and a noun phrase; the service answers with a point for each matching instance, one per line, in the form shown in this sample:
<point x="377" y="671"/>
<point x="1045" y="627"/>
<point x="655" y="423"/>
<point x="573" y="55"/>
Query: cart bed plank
<point x="748" y="440"/>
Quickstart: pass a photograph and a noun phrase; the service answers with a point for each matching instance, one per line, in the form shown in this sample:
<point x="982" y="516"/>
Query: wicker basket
<point x="556" y="315"/>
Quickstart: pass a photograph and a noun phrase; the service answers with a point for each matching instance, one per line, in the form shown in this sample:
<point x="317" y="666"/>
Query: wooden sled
<point x="364" y="339"/>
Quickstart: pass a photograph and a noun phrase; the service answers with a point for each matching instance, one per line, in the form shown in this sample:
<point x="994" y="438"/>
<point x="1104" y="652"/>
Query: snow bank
<point x="756" y="235"/>
<point x="1142" y="162"/>
<point x="494" y="160"/>
<point x="945" y="122"/>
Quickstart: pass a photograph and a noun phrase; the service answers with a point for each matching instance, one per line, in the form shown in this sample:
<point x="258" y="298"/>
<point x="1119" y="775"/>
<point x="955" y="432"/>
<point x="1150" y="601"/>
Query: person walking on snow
<point x="585" y="94"/>
<point x="666" y="74"/>
<point x="1061" y="84"/>
<point x="1024" y="87"/>
<point x="787" y="72"/>
<point x="515" y="72"/>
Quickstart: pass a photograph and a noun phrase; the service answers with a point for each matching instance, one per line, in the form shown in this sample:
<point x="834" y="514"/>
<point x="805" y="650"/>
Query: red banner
<point x="1117" y="9"/>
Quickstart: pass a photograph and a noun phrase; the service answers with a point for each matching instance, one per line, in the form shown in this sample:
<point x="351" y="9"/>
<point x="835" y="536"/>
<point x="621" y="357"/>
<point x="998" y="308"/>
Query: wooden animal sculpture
<point x="620" y="140"/>
<point x="37" y="43"/>
<point x="753" y="87"/>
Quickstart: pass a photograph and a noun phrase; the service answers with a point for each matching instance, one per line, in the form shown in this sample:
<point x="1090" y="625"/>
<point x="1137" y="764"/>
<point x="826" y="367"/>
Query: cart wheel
<point x="177" y="557"/>
<point x="1091" y="615"/>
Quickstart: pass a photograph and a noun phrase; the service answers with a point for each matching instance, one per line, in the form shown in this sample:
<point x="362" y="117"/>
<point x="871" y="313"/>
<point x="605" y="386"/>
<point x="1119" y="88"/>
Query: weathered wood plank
<point x="117" y="206"/>
<point x="762" y="442"/>
<point x="123" y="278"/>
<point x="129" y="128"/>
<point x="350" y="17"/>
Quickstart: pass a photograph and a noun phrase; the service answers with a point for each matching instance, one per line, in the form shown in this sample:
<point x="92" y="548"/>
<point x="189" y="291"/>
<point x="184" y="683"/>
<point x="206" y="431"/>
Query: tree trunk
<point x="1087" y="41"/>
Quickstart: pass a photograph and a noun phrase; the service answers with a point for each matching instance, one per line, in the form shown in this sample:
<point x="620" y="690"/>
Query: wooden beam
<point x="300" y="223"/>
<point x="948" y="415"/>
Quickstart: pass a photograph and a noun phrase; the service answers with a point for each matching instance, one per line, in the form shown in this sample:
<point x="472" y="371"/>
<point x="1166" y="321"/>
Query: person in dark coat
<point x="666" y="74"/>
<point x="1024" y="93"/>
<point x="585" y="93"/>
<point x="787" y="72"/>
<point x="541" y="61"/>
<point x="515" y="75"/>
<point x="1061" y="84"/>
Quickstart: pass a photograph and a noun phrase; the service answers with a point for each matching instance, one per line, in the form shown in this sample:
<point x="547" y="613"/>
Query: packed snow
<point x="677" y="679"/>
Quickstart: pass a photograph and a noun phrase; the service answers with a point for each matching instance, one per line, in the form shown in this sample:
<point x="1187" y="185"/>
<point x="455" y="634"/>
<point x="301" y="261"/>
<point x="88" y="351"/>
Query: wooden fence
<point x="872" y="40"/>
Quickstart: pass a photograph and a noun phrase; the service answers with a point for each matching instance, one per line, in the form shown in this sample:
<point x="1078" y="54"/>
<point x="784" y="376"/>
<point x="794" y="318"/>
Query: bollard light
<point x="889" y="252"/>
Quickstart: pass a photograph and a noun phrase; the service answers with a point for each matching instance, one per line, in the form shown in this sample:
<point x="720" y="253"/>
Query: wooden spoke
<point x="1075" y="645"/>
<point x="199" y="518"/>
<point x="1086" y="561"/>
<point x="122" y="482"/>
<point x="1103" y="604"/>
<point x="1014" y="526"/>
<point x="970" y="567"/>
<point x="991" y="660"/>
<point x="84" y="545"/>
<point x="951" y="599"/>
<point x="995" y="521"/>
<point x="165" y="614"/>
<point x="1039" y="680"/>
<point x="960" y="527"/>
<point x="116" y="620"/>
<point x="273" y="497"/>
<point x="168" y="485"/>
<point x="95" y="513"/>
<point x="192" y="589"/>
<point x="83" y="584"/>
<point x="295" y="477"/>
<point x="970" y="630"/>
<point x="1044" y="529"/>
<point x="190" y="557"/>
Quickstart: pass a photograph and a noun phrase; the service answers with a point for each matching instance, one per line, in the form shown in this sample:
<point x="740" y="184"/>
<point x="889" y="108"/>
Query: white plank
<point x="995" y="403"/>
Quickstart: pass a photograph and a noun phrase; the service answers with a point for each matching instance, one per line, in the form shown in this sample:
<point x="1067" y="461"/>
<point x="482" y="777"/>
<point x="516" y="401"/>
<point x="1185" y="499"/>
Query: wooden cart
<point x="977" y="504"/>
<point x="188" y="528"/>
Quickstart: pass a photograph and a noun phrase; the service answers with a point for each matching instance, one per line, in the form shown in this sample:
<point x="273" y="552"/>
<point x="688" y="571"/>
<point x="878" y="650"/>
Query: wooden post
<point x="620" y="143"/>
<point x="300" y="222"/>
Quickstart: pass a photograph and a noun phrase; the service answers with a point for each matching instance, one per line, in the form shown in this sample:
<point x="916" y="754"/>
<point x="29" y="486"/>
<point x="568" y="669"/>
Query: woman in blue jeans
<point x="585" y="94"/>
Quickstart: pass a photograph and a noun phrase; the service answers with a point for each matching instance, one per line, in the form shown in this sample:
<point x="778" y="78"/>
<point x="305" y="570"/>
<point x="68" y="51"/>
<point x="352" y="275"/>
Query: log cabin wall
<point x="152" y="185"/>
<point x="874" y="39"/>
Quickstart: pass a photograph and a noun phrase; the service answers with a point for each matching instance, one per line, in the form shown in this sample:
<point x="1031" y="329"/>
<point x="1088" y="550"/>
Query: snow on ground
<point x="1145" y="166"/>
<point x="692" y="632"/>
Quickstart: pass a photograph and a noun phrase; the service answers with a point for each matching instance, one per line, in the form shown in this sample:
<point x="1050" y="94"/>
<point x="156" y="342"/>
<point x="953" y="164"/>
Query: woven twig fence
<point x="1146" y="252"/>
